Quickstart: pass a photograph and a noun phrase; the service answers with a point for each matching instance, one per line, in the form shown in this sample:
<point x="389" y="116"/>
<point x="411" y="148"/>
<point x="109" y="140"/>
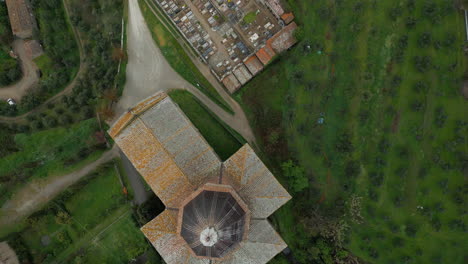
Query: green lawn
<point x="250" y="17"/>
<point x="48" y="153"/>
<point x="85" y="224"/>
<point x="395" y="129"/>
<point x="45" y="65"/>
<point x="219" y="136"/>
<point x="176" y="56"/>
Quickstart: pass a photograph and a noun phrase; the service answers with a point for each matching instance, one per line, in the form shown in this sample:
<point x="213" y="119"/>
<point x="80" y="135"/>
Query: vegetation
<point x="250" y="17"/>
<point x="61" y="60"/>
<point x="83" y="225"/>
<point x="10" y="70"/>
<point x="387" y="168"/>
<point x="176" y="55"/>
<point x="218" y="136"/>
<point x="46" y="153"/>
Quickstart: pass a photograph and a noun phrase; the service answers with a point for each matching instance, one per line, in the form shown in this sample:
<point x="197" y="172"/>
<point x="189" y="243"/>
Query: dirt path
<point x="68" y="89"/>
<point x="30" y="76"/>
<point x="148" y="72"/>
<point x="36" y="194"/>
<point x="7" y="254"/>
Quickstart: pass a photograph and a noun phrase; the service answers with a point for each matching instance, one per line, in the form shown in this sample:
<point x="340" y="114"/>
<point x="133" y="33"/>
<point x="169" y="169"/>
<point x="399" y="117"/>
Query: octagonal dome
<point x="213" y="221"/>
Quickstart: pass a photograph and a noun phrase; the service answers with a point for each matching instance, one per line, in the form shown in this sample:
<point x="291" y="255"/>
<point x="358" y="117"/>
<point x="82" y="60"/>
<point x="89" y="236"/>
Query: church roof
<point x="179" y="166"/>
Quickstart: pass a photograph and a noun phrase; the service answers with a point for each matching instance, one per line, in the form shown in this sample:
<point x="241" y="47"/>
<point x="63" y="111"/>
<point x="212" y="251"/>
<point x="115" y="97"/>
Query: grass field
<point x="386" y="78"/>
<point x="47" y="153"/>
<point x="220" y="138"/>
<point x="176" y="56"/>
<point x="84" y="225"/>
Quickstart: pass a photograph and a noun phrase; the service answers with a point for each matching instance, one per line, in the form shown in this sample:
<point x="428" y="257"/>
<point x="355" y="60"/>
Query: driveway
<point x="148" y="72"/>
<point x="30" y="74"/>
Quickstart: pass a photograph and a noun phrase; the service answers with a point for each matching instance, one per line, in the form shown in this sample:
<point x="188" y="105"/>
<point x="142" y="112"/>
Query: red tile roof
<point x="287" y="17"/>
<point x="253" y="64"/>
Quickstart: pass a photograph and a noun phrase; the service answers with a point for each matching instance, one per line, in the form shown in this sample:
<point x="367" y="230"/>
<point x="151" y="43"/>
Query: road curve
<point x="148" y="72"/>
<point x="30" y="73"/>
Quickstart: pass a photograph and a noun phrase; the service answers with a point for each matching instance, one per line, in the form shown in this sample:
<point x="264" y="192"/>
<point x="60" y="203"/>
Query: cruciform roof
<point x="228" y="223"/>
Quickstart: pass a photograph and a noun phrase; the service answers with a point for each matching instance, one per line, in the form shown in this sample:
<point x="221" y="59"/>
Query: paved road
<point x="30" y="74"/>
<point x="148" y="72"/>
<point x="35" y="195"/>
<point x="140" y="193"/>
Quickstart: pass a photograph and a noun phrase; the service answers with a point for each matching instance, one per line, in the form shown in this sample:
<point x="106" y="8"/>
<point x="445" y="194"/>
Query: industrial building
<point x="216" y="212"/>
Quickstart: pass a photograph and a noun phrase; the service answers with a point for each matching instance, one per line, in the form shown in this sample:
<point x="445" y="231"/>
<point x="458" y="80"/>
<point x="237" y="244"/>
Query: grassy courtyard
<point x="221" y="138"/>
<point x="385" y="79"/>
<point x="83" y="225"/>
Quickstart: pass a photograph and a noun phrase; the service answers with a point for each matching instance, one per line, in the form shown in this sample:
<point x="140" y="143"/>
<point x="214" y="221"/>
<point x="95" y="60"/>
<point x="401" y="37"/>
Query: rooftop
<point x="216" y="211"/>
<point x="231" y="83"/>
<point x="284" y="39"/>
<point x="253" y="64"/>
<point x="21" y="19"/>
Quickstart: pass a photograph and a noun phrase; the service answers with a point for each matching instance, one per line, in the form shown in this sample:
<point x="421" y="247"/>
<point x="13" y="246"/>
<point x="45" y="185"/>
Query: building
<point x="21" y="18"/>
<point x="254" y="65"/>
<point x="216" y="212"/>
<point x="287" y="17"/>
<point x="265" y="54"/>
<point x="231" y="83"/>
<point x="284" y="39"/>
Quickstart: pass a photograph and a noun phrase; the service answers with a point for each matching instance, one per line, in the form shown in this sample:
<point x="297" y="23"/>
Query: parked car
<point x="11" y="101"/>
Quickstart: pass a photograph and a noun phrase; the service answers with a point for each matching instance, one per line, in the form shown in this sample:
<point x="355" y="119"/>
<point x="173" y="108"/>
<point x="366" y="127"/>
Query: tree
<point x="63" y="218"/>
<point x="422" y="63"/>
<point x="424" y="40"/>
<point x="296" y="176"/>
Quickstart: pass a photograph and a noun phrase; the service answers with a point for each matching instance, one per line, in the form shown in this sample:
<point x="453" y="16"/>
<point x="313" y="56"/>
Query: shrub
<point x="422" y="63"/>
<point x="424" y="40"/>
<point x="343" y="143"/>
<point x="297" y="180"/>
<point x="410" y="22"/>
<point x="440" y="117"/>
